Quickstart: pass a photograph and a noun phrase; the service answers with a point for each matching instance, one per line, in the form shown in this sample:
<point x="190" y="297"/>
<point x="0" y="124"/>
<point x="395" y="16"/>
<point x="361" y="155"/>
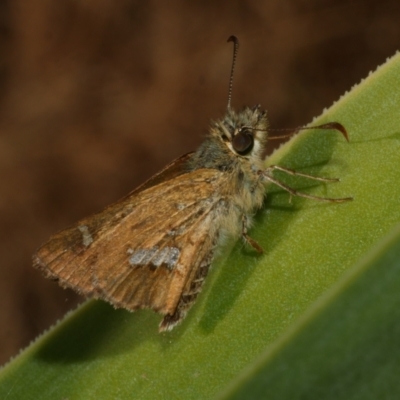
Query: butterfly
<point x="153" y="249"/>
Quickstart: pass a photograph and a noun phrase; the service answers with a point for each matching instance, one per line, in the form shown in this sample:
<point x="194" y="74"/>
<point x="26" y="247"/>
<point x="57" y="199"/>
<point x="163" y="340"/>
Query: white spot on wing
<point x="142" y="256"/>
<point x="87" y="238"/>
<point x="167" y="255"/>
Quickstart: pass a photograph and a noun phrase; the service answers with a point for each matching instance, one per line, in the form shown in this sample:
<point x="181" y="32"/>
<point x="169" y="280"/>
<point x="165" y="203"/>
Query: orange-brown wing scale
<point x="150" y="250"/>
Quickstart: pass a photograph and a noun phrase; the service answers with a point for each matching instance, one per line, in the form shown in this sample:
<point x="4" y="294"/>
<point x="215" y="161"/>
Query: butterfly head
<point x="244" y="133"/>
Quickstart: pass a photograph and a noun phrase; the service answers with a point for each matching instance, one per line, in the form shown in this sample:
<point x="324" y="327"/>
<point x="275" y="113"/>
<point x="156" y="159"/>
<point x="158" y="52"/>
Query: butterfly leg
<point x="293" y="192"/>
<point x="296" y="173"/>
<point x="248" y="239"/>
<point x="188" y="297"/>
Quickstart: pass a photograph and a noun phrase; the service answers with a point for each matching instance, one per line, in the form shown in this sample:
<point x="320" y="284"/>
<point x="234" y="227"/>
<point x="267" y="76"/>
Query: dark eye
<point x="243" y="142"/>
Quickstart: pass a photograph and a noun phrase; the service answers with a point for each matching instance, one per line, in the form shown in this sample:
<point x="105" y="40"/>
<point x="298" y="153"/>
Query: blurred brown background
<point x="97" y="95"/>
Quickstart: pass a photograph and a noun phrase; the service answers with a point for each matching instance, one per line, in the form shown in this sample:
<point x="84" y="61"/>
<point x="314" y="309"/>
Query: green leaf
<point x="346" y="346"/>
<point x="249" y="302"/>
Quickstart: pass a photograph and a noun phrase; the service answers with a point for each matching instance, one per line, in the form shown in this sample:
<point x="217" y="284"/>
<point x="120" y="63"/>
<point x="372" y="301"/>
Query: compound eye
<point x="243" y="142"/>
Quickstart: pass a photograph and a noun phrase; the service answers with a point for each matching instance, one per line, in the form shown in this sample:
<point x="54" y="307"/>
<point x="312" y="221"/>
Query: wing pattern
<point x="150" y="250"/>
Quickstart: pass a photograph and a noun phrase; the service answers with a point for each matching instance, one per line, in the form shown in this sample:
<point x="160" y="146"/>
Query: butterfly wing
<point x="150" y="250"/>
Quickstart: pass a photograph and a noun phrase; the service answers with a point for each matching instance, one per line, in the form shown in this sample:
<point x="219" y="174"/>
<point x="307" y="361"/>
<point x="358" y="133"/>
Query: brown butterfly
<point x="153" y="249"/>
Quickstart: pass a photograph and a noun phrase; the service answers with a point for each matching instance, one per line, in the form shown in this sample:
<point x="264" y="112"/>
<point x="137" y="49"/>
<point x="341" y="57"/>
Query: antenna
<point x="330" y="126"/>
<point x="235" y="41"/>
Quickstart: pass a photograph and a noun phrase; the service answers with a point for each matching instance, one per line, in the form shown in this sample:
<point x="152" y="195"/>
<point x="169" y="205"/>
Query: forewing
<point x="143" y="250"/>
